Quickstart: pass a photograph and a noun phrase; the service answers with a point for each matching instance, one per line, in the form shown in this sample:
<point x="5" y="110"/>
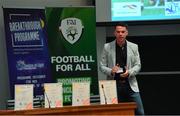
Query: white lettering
<point x="26" y="36"/>
<point x="64" y="67"/>
<point x="25" y="26"/>
<point x="71" y="59"/>
<point x="82" y="67"/>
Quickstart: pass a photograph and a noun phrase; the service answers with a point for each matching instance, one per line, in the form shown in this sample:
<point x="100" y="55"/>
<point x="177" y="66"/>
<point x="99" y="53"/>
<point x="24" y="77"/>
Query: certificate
<point x="23" y="96"/>
<point x="108" y="92"/>
<point x="53" y="95"/>
<point x="80" y="93"/>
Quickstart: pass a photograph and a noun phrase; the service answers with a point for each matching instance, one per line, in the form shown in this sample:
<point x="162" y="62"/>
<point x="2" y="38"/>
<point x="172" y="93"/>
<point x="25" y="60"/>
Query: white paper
<point x="80" y="93"/>
<point x="108" y="92"/>
<point x="120" y="70"/>
<point x="23" y="96"/>
<point x="53" y="95"/>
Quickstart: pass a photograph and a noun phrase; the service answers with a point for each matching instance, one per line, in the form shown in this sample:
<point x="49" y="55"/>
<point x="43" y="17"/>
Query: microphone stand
<point x="49" y="105"/>
<point x="104" y="94"/>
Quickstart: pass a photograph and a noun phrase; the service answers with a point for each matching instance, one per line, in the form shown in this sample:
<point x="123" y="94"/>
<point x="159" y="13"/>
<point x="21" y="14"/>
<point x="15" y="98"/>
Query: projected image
<point x="134" y="10"/>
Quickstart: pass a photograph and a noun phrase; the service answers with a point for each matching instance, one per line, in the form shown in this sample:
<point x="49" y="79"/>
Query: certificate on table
<point x="23" y="96"/>
<point x="53" y="95"/>
<point x="108" y="92"/>
<point x="80" y="93"/>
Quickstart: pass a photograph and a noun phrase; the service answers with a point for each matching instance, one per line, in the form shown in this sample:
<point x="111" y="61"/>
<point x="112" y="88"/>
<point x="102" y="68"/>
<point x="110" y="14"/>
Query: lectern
<point x="127" y="108"/>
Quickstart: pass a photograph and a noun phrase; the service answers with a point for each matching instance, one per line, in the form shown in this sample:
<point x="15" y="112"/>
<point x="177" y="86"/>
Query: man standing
<point x="120" y="61"/>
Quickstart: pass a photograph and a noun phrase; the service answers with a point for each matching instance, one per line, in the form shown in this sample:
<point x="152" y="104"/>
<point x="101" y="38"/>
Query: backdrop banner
<point x="72" y="45"/>
<point x="26" y="39"/>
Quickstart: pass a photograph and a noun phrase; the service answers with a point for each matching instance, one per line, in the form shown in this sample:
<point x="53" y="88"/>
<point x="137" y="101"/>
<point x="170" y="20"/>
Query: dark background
<point x="160" y="58"/>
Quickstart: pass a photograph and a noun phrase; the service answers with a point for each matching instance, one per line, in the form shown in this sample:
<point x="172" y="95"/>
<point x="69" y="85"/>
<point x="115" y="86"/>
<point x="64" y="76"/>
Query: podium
<point x="127" y="108"/>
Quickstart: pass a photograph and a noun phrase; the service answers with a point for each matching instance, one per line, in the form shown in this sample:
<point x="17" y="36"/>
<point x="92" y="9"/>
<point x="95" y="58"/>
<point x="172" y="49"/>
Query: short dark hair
<point x="121" y="24"/>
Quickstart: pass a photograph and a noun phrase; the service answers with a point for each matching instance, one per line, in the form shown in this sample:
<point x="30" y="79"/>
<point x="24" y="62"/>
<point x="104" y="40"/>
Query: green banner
<point x="72" y="45"/>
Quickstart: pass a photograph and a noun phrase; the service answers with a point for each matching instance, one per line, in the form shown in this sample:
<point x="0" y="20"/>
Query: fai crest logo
<point x="71" y="29"/>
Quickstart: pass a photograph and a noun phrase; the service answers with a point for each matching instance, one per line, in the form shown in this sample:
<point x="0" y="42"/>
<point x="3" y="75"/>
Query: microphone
<point x="49" y="103"/>
<point x="104" y="94"/>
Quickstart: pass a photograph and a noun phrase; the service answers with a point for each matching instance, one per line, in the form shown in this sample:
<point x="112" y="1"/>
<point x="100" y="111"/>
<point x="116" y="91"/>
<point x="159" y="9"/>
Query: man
<point x="120" y="61"/>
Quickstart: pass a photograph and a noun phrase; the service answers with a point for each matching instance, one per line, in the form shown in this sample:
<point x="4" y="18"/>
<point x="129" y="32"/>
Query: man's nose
<point x="120" y="33"/>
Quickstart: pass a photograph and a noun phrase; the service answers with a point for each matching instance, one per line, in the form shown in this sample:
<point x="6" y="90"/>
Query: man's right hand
<point x="115" y="69"/>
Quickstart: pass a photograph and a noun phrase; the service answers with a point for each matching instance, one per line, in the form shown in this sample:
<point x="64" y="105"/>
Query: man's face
<point x="120" y="34"/>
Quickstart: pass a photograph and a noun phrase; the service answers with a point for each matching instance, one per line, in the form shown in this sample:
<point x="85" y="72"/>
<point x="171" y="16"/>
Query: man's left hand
<point x="125" y="74"/>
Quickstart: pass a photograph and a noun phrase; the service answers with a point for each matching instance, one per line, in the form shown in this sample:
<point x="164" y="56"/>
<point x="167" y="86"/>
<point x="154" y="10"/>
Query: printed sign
<point x="27" y="51"/>
<point x="108" y="92"/>
<point x="72" y="46"/>
<point x="24" y="97"/>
